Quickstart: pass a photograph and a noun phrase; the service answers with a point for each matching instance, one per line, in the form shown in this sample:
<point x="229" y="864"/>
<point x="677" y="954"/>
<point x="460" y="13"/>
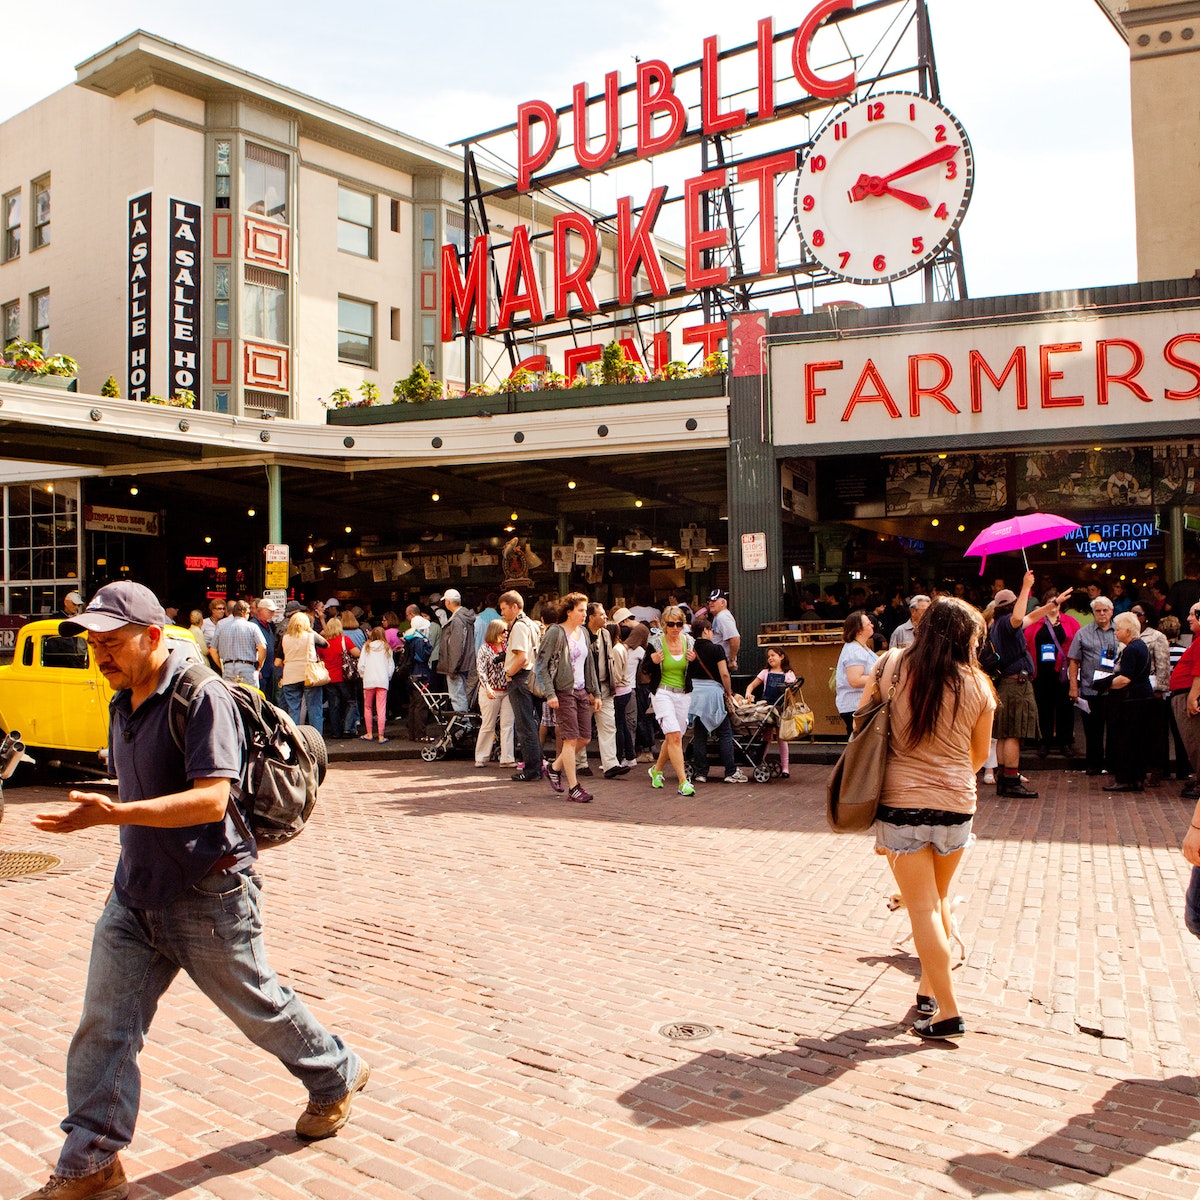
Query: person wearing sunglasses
<point x="670" y="694"/>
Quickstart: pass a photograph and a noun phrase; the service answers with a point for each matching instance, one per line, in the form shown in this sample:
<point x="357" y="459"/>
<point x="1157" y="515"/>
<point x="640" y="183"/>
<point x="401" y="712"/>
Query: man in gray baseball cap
<point x="185" y="896"/>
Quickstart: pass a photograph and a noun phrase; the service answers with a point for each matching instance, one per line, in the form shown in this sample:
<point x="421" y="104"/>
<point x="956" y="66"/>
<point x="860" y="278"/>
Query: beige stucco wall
<point x="1165" y="114"/>
<point x="323" y="272"/>
<point x="108" y="158"/>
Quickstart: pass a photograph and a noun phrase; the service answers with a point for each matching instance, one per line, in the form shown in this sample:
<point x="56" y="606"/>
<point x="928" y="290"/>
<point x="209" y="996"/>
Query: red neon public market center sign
<point x="661" y="121"/>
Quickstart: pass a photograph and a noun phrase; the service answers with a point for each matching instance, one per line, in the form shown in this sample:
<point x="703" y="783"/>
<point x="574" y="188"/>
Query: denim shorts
<point x="907" y="839"/>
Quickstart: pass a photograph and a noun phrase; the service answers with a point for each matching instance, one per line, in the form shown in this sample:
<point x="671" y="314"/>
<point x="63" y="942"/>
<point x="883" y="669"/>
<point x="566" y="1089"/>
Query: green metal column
<point x="274" y="505"/>
<point x="1176" y="511"/>
<point x="752" y="475"/>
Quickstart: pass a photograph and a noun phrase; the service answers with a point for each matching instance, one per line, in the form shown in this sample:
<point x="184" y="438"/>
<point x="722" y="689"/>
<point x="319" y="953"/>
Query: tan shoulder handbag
<point x="857" y="781"/>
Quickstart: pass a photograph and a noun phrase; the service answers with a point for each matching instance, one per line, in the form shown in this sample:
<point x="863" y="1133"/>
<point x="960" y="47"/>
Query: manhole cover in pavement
<point x="686" y="1031"/>
<point x="21" y="862"/>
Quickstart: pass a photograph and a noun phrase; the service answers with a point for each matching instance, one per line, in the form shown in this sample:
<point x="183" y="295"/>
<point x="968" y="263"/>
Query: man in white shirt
<point x="903" y="635"/>
<point x="724" y="627"/>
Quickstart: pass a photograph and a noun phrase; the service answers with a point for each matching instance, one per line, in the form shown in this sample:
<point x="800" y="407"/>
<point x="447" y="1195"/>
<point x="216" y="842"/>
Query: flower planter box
<point x="545" y="399"/>
<point x="64" y="383"/>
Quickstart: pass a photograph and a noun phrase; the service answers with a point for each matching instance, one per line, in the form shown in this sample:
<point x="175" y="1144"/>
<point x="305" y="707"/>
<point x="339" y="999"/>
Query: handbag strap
<point x="892" y="659"/>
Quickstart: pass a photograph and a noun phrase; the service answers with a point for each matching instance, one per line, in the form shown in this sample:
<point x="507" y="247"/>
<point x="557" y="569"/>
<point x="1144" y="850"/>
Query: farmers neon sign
<point x="659" y="119"/>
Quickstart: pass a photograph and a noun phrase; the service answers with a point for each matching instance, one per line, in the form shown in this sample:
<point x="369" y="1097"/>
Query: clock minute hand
<point x="941" y="155"/>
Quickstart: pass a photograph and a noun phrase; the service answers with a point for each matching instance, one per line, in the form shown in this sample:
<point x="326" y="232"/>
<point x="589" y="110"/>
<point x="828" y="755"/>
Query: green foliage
<point x="611" y="363"/>
<point x="370" y="392"/>
<point x="419" y="386"/>
<point x="520" y="380"/>
<point x="111" y="388"/>
<point x="28" y="357"/>
<point x="715" y="364"/>
<point x="340" y="397"/>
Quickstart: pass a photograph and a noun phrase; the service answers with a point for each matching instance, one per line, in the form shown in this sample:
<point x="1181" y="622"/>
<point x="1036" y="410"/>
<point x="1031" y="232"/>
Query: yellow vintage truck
<point x="54" y="695"/>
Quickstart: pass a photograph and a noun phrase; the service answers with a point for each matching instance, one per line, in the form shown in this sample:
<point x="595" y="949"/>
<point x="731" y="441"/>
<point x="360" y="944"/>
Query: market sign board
<point x="1082" y="373"/>
<point x="583" y="137"/>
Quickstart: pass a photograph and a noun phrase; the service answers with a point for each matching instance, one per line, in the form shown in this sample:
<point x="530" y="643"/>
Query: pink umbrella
<point x="1015" y="533"/>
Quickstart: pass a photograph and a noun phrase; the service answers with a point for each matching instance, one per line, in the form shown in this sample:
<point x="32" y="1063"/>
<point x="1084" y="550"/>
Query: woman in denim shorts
<point x="941" y="728"/>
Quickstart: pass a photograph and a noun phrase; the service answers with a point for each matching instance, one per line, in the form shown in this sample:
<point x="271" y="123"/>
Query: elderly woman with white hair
<point x="1130" y="692"/>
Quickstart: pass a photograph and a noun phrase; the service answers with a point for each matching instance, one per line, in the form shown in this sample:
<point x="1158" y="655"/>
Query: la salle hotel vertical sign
<point x="138" y="306"/>
<point x="184" y="345"/>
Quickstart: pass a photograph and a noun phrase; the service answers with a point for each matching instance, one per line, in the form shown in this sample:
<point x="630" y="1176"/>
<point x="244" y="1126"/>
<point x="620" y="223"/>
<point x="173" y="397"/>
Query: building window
<point x="221" y="402"/>
<point x="41" y="212"/>
<point x="12" y="226"/>
<point x="39" y="303"/>
<point x="395" y="216"/>
<point x="224" y="173"/>
<point x="265" y="306"/>
<point x="11" y="322"/>
<point x="356" y="223"/>
<point x="275" y="403"/>
<point x="429" y="342"/>
<point x="266" y="182"/>
<point x="428" y="239"/>
<point x="221" y="298"/>
<point x="397" y="329"/>
<point x="356" y="332"/>
<point x="43" y="536"/>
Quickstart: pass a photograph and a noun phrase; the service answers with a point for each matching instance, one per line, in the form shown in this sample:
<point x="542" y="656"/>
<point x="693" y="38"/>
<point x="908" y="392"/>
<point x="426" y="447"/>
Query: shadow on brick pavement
<point x="509" y="963"/>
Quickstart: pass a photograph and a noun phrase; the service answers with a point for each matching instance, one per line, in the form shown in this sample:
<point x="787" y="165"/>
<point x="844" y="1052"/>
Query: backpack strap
<point x="188" y="686"/>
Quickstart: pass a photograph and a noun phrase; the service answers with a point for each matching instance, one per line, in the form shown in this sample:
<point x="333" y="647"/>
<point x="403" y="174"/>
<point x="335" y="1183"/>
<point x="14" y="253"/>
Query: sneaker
<point x="645" y="757"/>
<point x="579" y="795"/>
<point x="736" y="777"/>
<point x="555" y="777"/>
<point x="524" y="777"/>
<point x="699" y="778"/>
<point x="584" y="771"/>
<point x="656" y="778"/>
<point x="483" y="764"/>
<point x="324" y="1120"/>
<point x="630" y="763"/>
<point x="686" y="789"/>
<point x="108" y="1183"/>
<point x="989" y="777"/>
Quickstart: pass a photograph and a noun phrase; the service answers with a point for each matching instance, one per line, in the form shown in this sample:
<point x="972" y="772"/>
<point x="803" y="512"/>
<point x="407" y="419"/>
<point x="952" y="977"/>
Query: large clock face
<point x="883" y="187"/>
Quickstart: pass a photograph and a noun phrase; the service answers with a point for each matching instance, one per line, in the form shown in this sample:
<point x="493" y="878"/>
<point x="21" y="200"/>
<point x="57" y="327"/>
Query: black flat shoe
<point x="926" y="1005"/>
<point x="948" y="1030"/>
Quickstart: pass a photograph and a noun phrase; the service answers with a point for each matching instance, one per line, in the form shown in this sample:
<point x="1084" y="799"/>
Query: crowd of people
<point x="1115" y="657"/>
<point x="512" y="667"/>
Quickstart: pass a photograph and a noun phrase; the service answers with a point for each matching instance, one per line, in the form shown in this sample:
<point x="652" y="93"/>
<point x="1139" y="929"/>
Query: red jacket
<point x="1070" y="627"/>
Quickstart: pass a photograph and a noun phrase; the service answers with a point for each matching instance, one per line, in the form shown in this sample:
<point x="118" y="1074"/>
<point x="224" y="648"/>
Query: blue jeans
<point x="456" y="685"/>
<point x="700" y="736"/>
<point x="525" y="719"/>
<point x="214" y="933"/>
<point x="1191" y="903"/>
<point x="313" y="700"/>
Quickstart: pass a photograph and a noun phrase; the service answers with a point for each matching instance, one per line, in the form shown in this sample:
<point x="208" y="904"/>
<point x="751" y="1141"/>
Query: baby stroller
<point x="753" y="721"/>
<point x="454" y="730"/>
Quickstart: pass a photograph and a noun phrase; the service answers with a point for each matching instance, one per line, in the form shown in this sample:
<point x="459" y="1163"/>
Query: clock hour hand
<point x="872" y="185"/>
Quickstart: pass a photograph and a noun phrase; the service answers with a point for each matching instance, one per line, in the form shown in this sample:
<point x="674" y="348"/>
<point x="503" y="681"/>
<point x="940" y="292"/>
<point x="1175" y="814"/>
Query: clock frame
<point x="865" y="209"/>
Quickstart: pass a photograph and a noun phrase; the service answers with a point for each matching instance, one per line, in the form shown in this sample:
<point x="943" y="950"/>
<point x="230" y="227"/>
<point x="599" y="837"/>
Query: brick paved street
<point x="506" y="962"/>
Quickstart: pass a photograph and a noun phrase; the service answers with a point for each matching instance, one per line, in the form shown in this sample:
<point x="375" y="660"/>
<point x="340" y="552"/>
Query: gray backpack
<point x="285" y="762"/>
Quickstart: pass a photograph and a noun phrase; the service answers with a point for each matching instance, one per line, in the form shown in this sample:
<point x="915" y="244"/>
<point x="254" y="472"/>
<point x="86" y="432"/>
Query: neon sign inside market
<point x="655" y="110"/>
<point x="1124" y="535"/>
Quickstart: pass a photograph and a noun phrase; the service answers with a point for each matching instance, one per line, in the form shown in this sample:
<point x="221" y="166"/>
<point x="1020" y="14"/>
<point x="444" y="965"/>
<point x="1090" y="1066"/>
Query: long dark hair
<point x="946" y="641"/>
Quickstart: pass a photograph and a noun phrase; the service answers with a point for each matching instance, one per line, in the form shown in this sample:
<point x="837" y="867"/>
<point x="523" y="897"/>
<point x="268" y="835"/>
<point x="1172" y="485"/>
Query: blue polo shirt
<point x="159" y="865"/>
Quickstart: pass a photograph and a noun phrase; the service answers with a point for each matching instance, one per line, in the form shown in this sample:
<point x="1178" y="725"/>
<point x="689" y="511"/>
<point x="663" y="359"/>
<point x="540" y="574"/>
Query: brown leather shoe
<point x="108" y="1183"/>
<point x="324" y="1120"/>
